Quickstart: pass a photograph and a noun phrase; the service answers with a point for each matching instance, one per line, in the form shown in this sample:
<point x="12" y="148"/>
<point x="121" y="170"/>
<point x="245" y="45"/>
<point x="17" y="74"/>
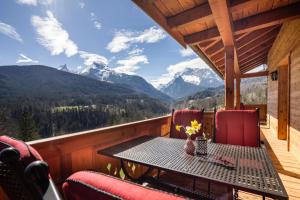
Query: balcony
<point x="78" y="151"/>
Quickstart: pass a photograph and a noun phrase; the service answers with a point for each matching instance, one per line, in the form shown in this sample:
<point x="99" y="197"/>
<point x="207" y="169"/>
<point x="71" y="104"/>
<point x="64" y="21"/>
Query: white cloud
<point x="131" y="64"/>
<point x="10" y="31"/>
<point x="124" y="39"/>
<point x="25" y="59"/>
<point x="52" y="36"/>
<point x="96" y="22"/>
<point x="81" y="4"/>
<point x="178" y="68"/>
<point x="90" y="58"/>
<point x="35" y="2"/>
<point x="136" y="51"/>
<point x="182" y="66"/>
<point x="187" y="52"/>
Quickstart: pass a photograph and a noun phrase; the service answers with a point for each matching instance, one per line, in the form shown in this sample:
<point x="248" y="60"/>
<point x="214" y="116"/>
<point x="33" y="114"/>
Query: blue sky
<point x="79" y="32"/>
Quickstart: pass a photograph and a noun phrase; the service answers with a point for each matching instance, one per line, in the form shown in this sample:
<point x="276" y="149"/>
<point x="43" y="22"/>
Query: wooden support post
<point x="229" y="77"/>
<point x="238" y="92"/>
<point x="282" y="102"/>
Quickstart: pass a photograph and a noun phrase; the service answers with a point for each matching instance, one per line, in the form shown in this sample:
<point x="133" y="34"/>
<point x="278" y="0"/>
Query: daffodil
<point x="190" y="130"/>
<point x="178" y="127"/>
<point x="196" y="125"/>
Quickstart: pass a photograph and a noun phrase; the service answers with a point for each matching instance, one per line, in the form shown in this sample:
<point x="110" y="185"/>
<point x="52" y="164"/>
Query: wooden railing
<point x="262" y="110"/>
<point x="78" y="151"/>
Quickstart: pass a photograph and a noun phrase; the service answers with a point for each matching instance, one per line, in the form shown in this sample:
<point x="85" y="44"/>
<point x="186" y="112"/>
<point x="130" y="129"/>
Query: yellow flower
<point x="190" y="130"/>
<point x="196" y="125"/>
<point x="178" y="127"/>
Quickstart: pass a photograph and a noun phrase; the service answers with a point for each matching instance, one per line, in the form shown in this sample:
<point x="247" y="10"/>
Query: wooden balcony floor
<point x="285" y="162"/>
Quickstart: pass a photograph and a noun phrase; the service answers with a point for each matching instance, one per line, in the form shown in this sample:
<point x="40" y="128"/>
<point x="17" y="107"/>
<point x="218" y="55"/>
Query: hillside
<point x="253" y="91"/>
<point x="49" y="84"/>
<point x="102" y="72"/>
<point x="39" y="101"/>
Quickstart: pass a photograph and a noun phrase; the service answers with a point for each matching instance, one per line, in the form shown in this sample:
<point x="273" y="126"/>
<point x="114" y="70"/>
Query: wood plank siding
<point x="286" y="47"/>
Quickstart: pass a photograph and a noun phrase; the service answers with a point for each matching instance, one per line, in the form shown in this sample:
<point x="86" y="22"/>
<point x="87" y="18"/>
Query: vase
<point x="201" y="146"/>
<point x="189" y="146"/>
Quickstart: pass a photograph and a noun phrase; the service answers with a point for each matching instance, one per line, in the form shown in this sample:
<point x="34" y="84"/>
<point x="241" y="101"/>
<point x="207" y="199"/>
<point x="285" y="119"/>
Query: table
<point x="254" y="171"/>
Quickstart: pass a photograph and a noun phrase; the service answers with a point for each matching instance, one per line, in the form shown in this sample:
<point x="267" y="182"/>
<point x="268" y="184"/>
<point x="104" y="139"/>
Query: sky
<point x="80" y="32"/>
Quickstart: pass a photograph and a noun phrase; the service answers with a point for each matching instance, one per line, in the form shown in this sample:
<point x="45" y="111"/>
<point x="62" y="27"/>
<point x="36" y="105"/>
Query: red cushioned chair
<point x="237" y="127"/>
<point x="23" y="175"/>
<point x="93" y="185"/>
<point x="184" y="117"/>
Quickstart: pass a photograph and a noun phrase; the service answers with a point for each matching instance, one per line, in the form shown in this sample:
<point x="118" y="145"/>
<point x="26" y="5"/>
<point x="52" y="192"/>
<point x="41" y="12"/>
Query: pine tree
<point x="28" y="130"/>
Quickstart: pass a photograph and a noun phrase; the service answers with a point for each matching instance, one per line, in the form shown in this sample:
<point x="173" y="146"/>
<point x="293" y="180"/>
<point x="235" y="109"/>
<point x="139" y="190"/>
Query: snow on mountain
<point x="102" y="72"/>
<point x="190" y="81"/>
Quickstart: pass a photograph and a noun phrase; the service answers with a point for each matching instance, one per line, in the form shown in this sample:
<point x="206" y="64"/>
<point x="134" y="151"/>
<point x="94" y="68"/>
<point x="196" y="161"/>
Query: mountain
<point x="191" y="81"/>
<point x="36" y="82"/>
<point x="64" y="68"/>
<point x="103" y="73"/>
<point x="178" y="88"/>
<point x="253" y="91"/>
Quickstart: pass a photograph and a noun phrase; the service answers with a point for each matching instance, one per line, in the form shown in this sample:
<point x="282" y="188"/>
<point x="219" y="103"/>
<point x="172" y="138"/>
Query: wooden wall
<point x="272" y="104"/>
<point x="287" y="46"/>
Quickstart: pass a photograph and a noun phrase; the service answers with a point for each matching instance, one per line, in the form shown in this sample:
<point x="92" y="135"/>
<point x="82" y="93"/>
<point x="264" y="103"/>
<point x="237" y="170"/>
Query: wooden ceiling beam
<point x="254" y="36"/>
<point x="262" y="41"/>
<point x="253" y="62"/>
<point x="216" y="47"/>
<point x="202" y="12"/>
<point x="256" y="22"/>
<point x="256" y="57"/>
<point x="189" y="16"/>
<point x="255" y="52"/>
<point x="267" y="19"/>
<point x="212" y="44"/>
<point x="223" y="19"/>
<point x="206" y="43"/>
<point x="218" y="56"/>
<point x="255" y="74"/>
<point x="254" y="65"/>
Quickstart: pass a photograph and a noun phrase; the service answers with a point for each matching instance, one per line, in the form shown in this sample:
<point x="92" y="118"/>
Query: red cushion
<point x="238" y="127"/>
<point x="92" y="185"/>
<point x="184" y="117"/>
<point x="27" y="153"/>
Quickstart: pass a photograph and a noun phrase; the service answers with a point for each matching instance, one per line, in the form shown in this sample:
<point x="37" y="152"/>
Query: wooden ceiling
<point x="251" y="26"/>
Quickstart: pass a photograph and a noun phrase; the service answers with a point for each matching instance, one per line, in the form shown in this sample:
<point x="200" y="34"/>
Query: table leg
<point x="139" y="179"/>
<point x="236" y="194"/>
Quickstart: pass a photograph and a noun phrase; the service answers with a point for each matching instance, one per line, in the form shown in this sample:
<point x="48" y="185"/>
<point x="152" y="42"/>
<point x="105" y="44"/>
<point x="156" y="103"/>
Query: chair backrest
<point x="237" y="127"/>
<point x="184" y="117"/>
<point x="23" y="174"/>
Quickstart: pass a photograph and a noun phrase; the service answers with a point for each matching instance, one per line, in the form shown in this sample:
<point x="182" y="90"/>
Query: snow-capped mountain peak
<point x="190" y="81"/>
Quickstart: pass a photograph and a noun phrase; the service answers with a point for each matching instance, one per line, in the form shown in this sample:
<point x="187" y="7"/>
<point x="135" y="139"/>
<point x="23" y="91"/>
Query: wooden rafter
<point x="202" y="12"/>
<point x="251" y="37"/>
<point x="216" y="47"/>
<point x="255" y="74"/>
<point x="256" y="22"/>
<point x="267" y="19"/>
<point x="249" y="55"/>
<point x="218" y="56"/>
<point x="262" y="41"/>
<point x="254" y="58"/>
<point x="189" y="16"/>
<point x="211" y="44"/>
<point x="254" y="64"/>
